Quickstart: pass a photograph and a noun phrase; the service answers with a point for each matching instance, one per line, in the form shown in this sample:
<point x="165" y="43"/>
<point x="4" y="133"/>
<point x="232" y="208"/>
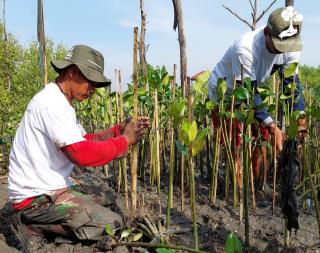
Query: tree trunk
<point x="178" y="22"/>
<point x="289" y="2"/>
<point x="6" y="51"/>
<point x="42" y="42"/>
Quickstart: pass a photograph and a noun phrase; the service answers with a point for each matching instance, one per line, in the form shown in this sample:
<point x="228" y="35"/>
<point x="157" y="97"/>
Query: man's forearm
<point x="105" y="135"/>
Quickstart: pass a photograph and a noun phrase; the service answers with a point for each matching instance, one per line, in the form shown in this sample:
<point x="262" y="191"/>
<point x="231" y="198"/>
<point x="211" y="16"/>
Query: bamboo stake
<point x="118" y="121"/>
<point x="134" y="155"/>
<point x="215" y="168"/>
<point x="172" y="156"/>
<point x="123" y="160"/>
<point x="246" y="186"/>
<point x="156" y="116"/>
<point x="276" y="87"/>
<point x="183" y="159"/>
<point x="254" y="204"/>
<point x="234" y="172"/>
<point x="191" y="173"/>
<point x="314" y="195"/>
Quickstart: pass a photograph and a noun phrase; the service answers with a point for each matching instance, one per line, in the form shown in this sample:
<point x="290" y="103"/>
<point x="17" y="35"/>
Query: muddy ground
<point x="215" y="221"/>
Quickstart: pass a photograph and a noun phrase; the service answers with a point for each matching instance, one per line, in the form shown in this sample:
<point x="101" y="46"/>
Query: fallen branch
<point x="152" y="245"/>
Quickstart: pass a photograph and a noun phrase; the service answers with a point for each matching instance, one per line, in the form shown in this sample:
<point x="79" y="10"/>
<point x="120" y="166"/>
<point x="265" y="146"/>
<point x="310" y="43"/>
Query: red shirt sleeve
<point x="104" y="135"/>
<point x="91" y="153"/>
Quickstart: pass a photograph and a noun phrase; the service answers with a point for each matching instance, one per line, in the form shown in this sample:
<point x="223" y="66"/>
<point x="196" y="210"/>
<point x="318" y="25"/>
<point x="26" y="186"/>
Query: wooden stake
<point x="134" y="154"/>
<point x="276" y="88"/>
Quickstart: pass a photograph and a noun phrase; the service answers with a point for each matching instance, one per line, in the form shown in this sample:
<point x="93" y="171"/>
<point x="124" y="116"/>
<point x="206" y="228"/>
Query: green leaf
<point x="184" y="133"/>
<point x="126" y="233"/>
<point x="203" y="77"/>
<point x="165" y="80"/>
<point x="163" y="250"/>
<point x="193" y="130"/>
<point x="291" y="70"/>
<point x="221" y="87"/>
<point x="250" y="117"/>
<point x="108" y="229"/>
<point x="241" y="93"/>
<point x="233" y="245"/>
<point x="137" y="237"/>
<point x="176" y="111"/>
<point x="271" y="107"/>
<point x="181" y="148"/>
<point x="293" y="128"/>
<point x="284" y="97"/>
<point x="210" y="105"/>
<point x="199" y="142"/>
<point x="247" y="83"/>
<point x="241" y="116"/>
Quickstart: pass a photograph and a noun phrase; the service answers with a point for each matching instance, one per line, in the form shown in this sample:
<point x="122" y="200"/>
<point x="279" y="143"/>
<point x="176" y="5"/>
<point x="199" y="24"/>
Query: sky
<point x="107" y="25"/>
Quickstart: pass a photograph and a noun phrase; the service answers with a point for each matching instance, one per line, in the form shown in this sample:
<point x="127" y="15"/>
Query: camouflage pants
<point x="79" y="212"/>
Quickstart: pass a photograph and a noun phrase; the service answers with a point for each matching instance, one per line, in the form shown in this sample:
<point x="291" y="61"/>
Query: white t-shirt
<point x="250" y="51"/>
<point x="37" y="165"/>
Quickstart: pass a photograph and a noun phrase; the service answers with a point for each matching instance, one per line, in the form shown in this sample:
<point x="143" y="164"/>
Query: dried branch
<point x="175" y="20"/>
<point x="251" y="5"/>
<point x="235" y="14"/>
<point x="266" y="10"/>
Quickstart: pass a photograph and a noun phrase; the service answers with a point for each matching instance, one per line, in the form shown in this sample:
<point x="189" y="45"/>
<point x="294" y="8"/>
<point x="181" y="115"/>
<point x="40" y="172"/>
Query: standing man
<point x="48" y="144"/>
<point x="261" y="53"/>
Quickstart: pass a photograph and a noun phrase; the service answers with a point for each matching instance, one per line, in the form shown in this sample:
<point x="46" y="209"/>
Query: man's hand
<point x="277" y="134"/>
<point x="134" y="131"/>
<point x="142" y="119"/>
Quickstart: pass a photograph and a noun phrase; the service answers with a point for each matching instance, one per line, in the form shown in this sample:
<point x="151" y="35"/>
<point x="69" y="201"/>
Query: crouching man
<point x="50" y="142"/>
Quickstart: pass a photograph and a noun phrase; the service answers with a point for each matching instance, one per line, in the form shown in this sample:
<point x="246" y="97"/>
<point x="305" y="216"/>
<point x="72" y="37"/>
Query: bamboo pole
<point x="172" y="156"/>
<point x="314" y="195"/>
<point x="191" y="173"/>
<point x="134" y="154"/>
<point x="182" y="161"/>
<point x="157" y="145"/>
<point x="276" y="88"/>
<point x="246" y="185"/>
<point x="123" y="160"/>
<point x="234" y="172"/>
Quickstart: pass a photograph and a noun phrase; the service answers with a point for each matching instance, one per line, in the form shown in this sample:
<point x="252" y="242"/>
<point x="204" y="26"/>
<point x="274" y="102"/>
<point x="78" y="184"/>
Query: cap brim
<point x="292" y="44"/>
<point x="91" y="74"/>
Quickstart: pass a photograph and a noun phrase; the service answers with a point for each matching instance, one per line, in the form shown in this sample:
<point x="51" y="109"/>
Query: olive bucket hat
<point x="89" y="61"/>
<point x="284" y="25"/>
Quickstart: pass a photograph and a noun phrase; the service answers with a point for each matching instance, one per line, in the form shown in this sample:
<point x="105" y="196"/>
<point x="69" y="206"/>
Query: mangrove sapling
<point x="176" y="114"/>
<point x="245" y="115"/>
<point x="191" y="142"/>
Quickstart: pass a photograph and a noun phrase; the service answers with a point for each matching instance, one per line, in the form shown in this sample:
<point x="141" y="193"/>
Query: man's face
<point x="269" y="43"/>
<point x="81" y="88"/>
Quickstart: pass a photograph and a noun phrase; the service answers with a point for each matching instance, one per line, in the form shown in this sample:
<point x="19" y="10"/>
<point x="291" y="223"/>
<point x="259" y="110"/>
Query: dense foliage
<point x="20" y="79"/>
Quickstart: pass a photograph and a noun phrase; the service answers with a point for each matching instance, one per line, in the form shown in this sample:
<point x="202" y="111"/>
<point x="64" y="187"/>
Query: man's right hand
<point x="277" y="134"/>
<point x="133" y="132"/>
